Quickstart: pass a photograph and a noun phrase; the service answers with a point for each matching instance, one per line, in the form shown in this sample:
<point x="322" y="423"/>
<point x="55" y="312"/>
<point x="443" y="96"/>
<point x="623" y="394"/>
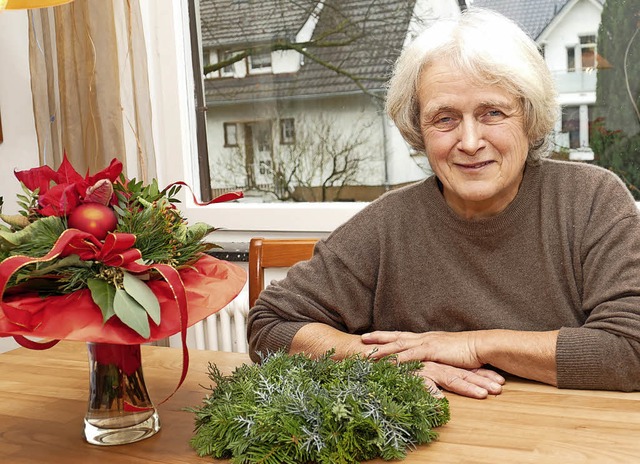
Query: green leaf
<point x="103" y="293"/>
<point x="140" y="292"/>
<point x="120" y="211"/>
<point x="131" y="313"/>
<point x="198" y="231"/>
<point x="43" y="226"/>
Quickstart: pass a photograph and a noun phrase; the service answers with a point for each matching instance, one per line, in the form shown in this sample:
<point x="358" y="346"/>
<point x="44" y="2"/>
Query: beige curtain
<point x="91" y="86"/>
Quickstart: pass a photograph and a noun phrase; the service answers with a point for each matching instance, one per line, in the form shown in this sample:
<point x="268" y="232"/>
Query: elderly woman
<point x="501" y="261"/>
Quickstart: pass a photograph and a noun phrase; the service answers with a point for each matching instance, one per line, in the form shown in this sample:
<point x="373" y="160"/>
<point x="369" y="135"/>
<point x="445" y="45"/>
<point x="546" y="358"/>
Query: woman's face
<point x="474" y="138"/>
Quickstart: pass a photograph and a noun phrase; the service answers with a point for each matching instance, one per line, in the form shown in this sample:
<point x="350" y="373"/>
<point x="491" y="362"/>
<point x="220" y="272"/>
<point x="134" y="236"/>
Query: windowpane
<point x="287" y="131"/>
<point x="571" y="59"/>
<point x="260" y="61"/>
<point x="230" y="134"/>
<point x="588" y="50"/>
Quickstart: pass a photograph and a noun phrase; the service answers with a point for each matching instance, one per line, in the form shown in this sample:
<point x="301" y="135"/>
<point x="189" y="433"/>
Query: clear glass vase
<point x="120" y="410"/>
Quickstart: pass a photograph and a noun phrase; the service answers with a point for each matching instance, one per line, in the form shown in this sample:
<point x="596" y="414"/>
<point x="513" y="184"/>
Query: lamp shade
<point x="24" y="4"/>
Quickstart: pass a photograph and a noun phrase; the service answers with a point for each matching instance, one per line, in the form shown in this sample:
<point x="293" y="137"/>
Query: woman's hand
<point x="453" y="348"/>
<point x="315" y="339"/>
<point x="475" y="383"/>
<point x="531" y="355"/>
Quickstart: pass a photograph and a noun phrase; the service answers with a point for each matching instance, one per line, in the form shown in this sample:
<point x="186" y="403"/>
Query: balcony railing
<point x="575" y="82"/>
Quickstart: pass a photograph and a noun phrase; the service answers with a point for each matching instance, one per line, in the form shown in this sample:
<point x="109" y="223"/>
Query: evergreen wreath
<point x="291" y="409"/>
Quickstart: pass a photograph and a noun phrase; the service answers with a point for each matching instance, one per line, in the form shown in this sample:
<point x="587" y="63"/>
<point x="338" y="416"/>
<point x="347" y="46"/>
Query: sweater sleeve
<point x="605" y="352"/>
<point x="328" y="289"/>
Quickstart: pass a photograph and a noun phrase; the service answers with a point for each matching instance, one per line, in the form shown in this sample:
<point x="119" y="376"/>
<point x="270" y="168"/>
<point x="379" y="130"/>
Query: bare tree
<point x="321" y="162"/>
<point x="331" y="159"/>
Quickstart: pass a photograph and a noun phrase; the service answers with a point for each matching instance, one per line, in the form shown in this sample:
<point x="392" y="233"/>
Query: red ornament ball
<point x="93" y="218"/>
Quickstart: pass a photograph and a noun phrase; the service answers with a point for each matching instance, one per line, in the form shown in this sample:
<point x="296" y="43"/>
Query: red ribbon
<point x="229" y="196"/>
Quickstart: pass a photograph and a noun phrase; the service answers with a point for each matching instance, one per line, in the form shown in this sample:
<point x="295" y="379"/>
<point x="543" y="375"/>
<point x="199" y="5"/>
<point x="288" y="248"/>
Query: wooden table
<point x="43" y="397"/>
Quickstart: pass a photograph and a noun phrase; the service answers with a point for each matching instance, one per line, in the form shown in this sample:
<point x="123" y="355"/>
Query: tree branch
<point x="626" y="74"/>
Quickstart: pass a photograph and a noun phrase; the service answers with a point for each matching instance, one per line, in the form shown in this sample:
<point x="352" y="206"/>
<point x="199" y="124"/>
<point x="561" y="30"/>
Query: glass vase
<point x="120" y="410"/>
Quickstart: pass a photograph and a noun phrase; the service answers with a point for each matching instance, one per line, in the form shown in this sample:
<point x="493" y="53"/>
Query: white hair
<point x="491" y="50"/>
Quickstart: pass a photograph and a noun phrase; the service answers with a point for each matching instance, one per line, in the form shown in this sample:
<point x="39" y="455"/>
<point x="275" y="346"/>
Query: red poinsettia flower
<point x="62" y="190"/>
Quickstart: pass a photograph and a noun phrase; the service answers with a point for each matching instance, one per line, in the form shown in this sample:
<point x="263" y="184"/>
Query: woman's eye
<point x="495" y="114"/>
<point x="445" y="122"/>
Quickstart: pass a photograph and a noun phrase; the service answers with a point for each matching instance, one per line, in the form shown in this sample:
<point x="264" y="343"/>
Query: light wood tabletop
<point x="43" y="398"/>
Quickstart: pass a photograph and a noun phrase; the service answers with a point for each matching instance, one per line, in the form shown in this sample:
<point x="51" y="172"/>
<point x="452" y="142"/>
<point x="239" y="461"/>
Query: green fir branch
<point x="162" y="234"/>
<point x="291" y="409"/>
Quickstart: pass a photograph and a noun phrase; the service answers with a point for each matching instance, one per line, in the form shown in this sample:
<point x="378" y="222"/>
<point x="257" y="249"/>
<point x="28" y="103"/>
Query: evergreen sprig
<point x="291" y="409"/>
<point x="162" y="234"/>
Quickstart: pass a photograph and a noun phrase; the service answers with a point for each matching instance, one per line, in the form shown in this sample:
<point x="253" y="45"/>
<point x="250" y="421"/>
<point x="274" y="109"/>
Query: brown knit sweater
<point x="565" y="254"/>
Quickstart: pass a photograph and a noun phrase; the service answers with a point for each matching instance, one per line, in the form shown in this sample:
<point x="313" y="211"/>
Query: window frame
<point x="284" y="138"/>
<point x="571" y="59"/>
<point x="227" y="135"/>
<point x="222" y="55"/>
<point x="262" y="69"/>
<point x="592" y="46"/>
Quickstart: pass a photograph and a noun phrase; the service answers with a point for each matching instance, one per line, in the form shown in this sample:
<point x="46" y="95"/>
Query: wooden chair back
<point x="274" y="252"/>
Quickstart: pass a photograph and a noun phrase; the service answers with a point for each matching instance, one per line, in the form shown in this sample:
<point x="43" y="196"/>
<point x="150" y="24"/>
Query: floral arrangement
<point x="294" y="409"/>
<point x="105" y="259"/>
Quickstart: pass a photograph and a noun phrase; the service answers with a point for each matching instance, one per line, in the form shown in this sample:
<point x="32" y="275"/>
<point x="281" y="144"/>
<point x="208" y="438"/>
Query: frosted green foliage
<point x="291" y="409"/>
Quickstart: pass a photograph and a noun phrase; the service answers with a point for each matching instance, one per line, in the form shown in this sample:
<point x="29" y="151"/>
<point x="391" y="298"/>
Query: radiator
<point x="226" y="330"/>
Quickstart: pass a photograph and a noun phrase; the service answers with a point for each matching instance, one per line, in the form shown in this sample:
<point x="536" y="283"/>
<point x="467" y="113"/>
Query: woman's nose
<point x="470" y="136"/>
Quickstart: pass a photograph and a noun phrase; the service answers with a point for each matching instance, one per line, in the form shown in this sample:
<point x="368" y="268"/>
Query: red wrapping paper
<point x="210" y="285"/>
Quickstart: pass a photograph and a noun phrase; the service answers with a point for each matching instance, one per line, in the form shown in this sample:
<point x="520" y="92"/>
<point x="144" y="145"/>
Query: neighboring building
<point x="566" y="31"/>
<point x="307" y="92"/>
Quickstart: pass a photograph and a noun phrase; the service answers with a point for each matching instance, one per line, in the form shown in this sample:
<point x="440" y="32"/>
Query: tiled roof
<point x="373" y="38"/>
<point x="233" y="22"/>
<point x="532" y="15"/>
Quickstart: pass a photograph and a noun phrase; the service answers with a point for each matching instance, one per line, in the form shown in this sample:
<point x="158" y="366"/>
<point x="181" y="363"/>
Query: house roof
<point x="532" y="15"/>
<point x="371" y="32"/>
<point x="234" y="22"/>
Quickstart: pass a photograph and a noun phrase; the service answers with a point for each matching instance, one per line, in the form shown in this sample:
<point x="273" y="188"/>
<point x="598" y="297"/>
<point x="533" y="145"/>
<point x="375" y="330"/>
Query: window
<point x="588" y="51"/>
<point x="287" y="131"/>
<point x="322" y="113"/>
<point x="300" y="120"/>
<point x="571" y="59"/>
<point x="582" y="57"/>
<point x="230" y="134"/>
<point x="209" y="57"/>
<point x="229" y="70"/>
<point x="260" y="62"/>
<point x="265" y="166"/>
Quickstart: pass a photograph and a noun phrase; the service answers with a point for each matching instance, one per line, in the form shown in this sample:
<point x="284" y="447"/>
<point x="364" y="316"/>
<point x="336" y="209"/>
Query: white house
<point x="566" y="31"/>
